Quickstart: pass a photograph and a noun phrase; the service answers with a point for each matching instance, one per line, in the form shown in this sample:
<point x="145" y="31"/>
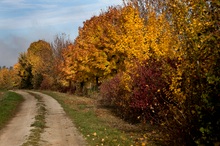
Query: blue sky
<point x="25" y="21"/>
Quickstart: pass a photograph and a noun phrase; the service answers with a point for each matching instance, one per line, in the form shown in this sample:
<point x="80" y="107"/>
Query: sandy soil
<point x="59" y="131"/>
<point x="18" y="129"/>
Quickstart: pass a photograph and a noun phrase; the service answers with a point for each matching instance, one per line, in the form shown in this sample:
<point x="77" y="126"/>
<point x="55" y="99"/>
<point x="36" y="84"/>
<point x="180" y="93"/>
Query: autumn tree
<point x="193" y="91"/>
<point x="74" y="68"/>
<point x="6" y="78"/>
<point x="89" y="41"/>
<point x="16" y="77"/>
<point x="186" y="34"/>
<point x="58" y="45"/>
<point x="60" y="42"/>
<point x="136" y="92"/>
<point x="107" y="44"/>
<point x="196" y="82"/>
<point x="24" y="71"/>
<point x="40" y="57"/>
<point x="145" y="7"/>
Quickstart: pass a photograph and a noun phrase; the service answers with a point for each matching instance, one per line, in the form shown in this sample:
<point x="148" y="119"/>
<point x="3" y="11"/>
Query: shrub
<point x="148" y="86"/>
<point x="138" y="95"/>
<point x="47" y="83"/>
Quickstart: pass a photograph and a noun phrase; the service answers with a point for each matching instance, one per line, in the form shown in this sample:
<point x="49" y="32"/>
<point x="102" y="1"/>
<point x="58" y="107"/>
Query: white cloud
<point x="52" y="15"/>
<point x="110" y="2"/>
<point x="12" y="1"/>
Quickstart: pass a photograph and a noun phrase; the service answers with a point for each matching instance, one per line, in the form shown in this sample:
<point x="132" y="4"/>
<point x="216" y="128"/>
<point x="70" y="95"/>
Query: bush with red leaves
<point x="149" y="84"/>
<point x="146" y="97"/>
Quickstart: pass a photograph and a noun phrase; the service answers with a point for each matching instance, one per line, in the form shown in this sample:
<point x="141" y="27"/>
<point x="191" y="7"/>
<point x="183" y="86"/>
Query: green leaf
<point x="202" y="130"/>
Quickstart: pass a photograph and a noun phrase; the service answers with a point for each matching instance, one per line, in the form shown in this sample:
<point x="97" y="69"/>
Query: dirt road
<point x="59" y="130"/>
<point x="18" y="129"/>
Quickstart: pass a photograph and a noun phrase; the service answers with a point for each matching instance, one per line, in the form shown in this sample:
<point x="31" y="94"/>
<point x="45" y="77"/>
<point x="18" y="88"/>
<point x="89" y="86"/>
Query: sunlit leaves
<point x="40" y="57"/>
<point x="34" y="65"/>
<point x="6" y="78"/>
<point x="107" y="44"/>
<point x="160" y="40"/>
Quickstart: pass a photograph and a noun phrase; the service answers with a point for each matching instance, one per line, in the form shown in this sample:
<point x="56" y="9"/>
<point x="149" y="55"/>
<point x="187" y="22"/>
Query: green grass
<point x="84" y="114"/>
<point x="9" y="103"/>
<point x="39" y="123"/>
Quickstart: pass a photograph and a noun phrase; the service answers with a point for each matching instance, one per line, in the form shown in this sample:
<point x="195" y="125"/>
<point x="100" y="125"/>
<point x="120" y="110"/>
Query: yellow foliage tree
<point x="40" y="57"/>
<point x="8" y="78"/>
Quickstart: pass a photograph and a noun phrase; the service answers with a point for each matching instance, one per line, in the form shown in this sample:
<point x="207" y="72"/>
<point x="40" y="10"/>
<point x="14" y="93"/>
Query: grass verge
<point x="89" y="120"/>
<point x="39" y="123"/>
<point x="9" y="103"/>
